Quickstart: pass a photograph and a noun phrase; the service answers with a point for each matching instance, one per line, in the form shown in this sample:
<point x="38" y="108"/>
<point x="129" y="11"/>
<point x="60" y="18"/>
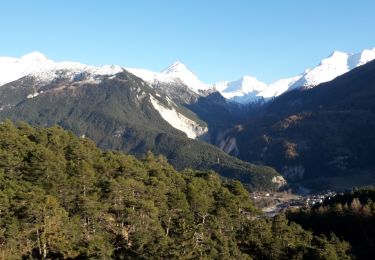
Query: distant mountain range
<point x="316" y="135"/>
<point x="322" y="137"/>
<point x="249" y="89"/>
<point x="120" y="111"/>
<point x="245" y="90"/>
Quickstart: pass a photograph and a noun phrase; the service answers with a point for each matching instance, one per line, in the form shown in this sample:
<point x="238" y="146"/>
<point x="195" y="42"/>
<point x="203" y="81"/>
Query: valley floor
<point x="274" y="203"/>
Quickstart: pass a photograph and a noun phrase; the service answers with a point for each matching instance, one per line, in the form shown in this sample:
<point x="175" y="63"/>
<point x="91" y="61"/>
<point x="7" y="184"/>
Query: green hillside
<point x="63" y="198"/>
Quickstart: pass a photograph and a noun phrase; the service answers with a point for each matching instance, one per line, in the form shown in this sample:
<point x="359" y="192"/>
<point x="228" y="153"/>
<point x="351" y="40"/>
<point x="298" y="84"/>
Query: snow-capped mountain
<point x="249" y="89"/>
<point x="13" y="68"/>
<point x="335" y="65"/>
<point x="338" y="63"/>
<point x="277" y="88"/>
<point x="44" y="69"/>
<point x="172" y="79"/>
<point x="177" y="73"/>
<point x="244" y="90"/>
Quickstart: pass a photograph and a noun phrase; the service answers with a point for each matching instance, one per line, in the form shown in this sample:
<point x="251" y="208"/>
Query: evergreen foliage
<point x="63" y="198"/>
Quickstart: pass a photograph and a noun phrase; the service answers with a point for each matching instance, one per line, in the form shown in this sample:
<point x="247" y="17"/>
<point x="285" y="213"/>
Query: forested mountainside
<point x="322" y="137"/>
<point x="63" y="198"/>
<point x="122" y="112"/>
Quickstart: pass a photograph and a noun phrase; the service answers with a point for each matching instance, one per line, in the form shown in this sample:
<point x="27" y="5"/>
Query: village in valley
<point x="274" y="203"/>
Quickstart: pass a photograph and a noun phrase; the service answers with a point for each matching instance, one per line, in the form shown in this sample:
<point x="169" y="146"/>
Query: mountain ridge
<point x="122" y="112"/>
<point x="322" y="137"/>
<point x="245" y="90"/>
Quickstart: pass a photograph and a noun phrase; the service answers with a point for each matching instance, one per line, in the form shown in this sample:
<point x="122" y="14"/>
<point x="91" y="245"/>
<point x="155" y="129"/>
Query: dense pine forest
<point x="63" y="198"/>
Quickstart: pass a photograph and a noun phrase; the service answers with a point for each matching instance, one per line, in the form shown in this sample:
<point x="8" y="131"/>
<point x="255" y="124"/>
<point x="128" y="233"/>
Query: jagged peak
<point x="176" y="67"/>
<point x="337" y="57"/>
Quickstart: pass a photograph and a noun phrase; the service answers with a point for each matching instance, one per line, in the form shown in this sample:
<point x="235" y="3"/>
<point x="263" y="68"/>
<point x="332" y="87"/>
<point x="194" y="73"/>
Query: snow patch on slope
<point x="33" y="95"/>
<point x="191" y="128"/>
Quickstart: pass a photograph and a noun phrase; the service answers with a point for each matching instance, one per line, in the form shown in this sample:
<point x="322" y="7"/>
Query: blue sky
<point x="217" y="39"/>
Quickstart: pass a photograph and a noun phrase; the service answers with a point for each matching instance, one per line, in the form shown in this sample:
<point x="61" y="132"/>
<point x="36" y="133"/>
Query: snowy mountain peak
<point x="39" y="66"/>
<point x="248" y="89"/>
<point x="361" y="58"/>
<point x="246" y="85"/>
<point x="243" y="90"/>
<point x="176" y="67"/>
<point x="179" y="72"/>
<point x="14" y="68"/>
<point x="249" y="78"/>
<point x="250" y="83"/>
<point x="338" y="54"/>
<point x="35" y="56"/>
<point x="335" y="58"/>
<point x="335" y="65"/>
